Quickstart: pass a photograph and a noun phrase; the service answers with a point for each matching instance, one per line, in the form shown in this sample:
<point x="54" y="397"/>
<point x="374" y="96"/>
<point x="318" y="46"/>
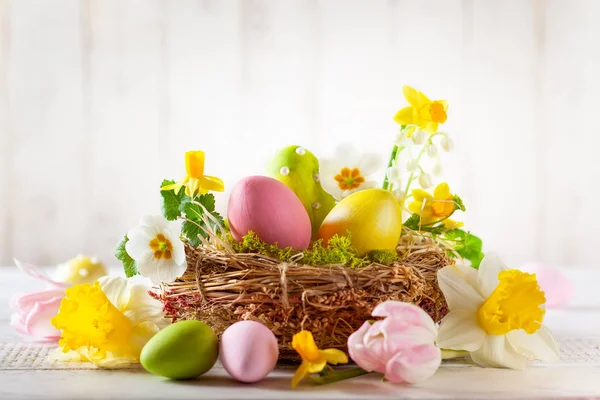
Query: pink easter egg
<point x="556" y="286"/>
<point x="248" y="351"/>
<point x="270" y="209"/>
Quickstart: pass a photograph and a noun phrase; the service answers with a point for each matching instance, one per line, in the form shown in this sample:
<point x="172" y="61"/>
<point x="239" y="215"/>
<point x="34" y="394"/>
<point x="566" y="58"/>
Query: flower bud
<point x="394" y="174"/>
<point x="411" y="165"/>
<point x="419" y="137"/>
<point x="432" y="150"/>
<point x="400" y="195"/>
<point x="447" y="144"/>
<point x="425" y="181"/>
<point x="400" y="137"/>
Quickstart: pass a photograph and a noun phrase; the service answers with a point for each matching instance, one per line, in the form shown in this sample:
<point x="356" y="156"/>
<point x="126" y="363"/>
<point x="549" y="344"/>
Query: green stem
<point x="386" y="183"/>
<point x="336" y="376"/>
<point x="448" y="354"/>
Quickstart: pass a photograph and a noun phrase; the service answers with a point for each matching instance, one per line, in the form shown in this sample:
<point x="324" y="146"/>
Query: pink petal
<point x="24" y="302"/>
<point x="37" y="273"/>
<point x="557" y="288"/>
<point x="38" y="321"/>
<point x="414" y="365"/>
<point x="359" y="353"/>
<point x="17" y="321"/>
<point x="409" y="314"/>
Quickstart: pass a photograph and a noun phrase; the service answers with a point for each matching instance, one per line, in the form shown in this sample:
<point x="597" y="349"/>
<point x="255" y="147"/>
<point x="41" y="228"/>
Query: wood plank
<point x="568" y="103"/>
<point x="45" y="97"/>
<point x="6" y="220"/>
<point x="203" y="75"/>
<point x="126" y="81"/>
<point x="498" y="108"/>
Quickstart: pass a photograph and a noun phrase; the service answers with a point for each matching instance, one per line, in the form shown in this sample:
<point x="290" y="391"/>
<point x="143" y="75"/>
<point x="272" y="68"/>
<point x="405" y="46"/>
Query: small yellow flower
<point x="422" y="112"/>
<point x="106" y="323"/>
<point x="313" y="359"/>
<point x="195" y="180"/>
<point x="434" y="208"/>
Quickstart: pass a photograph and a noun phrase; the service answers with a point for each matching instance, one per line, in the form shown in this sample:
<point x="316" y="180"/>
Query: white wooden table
<point x="577" y="375"/>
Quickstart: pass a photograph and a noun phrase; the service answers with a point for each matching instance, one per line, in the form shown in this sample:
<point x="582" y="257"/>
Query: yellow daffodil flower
<point x="434" y="208"/>
<point x="496" y="314"/>
<point x="106" y="323"/>
<point x="422" y="112"/>
<point x="313" y="359"/>
<point x="195" y="180"/>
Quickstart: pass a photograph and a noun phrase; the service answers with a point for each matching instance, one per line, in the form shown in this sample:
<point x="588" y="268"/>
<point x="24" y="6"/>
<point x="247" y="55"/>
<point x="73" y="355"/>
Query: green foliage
<point x="171" y="201"/>
<point x="413" y="222"/>
<point x="195" y="224"/>
<point x="458" y="203"/>
<point x="468" y="246"/>
<point x="385" y="257"/>
<point x="129" y="264"/>
<point x="338" y="251"/>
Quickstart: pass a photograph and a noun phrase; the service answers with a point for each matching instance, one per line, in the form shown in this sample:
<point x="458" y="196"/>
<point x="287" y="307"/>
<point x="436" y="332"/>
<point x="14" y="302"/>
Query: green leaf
<point x="458" y="203"/>
<point x="193" y="212"/>
<point x="129" y="264"/>
<point x="413" y="222"/>
<point x="467" y="245"/>
<point x="170" y="201"/>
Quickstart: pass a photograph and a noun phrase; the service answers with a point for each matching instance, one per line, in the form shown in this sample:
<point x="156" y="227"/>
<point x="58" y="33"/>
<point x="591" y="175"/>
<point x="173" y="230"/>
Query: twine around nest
<point x="332" y="301"/>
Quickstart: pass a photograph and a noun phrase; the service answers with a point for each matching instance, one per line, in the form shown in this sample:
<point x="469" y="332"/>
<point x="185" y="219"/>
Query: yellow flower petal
<point x="411" y="95"/>
<point x="212" y="183"/>
<point x="420" y="195"/>
<point x="416" y="207"/>
<point x="405" y="116"/>
<point x="444" y="103"/>
<point x="194" y="163"/>
<point x="301" y="372"/>
<point x="175" y="186"/>
<point x="304" y="344"/>
<point x="451" y="224"/>
<point x="431" y="127"/>
<point x="334" y="356"/>
<point x="442" y="191"/>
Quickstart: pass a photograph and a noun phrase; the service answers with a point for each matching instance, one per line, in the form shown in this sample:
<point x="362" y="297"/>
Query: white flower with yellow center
<point x="348" y="171"/>
<point x="495" y="314"/>
<point x="106" y="323"/>
<point x="157" y="249"/>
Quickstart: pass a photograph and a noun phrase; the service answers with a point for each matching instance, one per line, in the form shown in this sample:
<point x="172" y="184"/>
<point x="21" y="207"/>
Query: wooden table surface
<point x="577" y="375"/>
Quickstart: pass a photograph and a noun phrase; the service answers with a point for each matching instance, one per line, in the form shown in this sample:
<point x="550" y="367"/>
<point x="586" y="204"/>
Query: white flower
<point x="400" y="195"/>
<point x="425" y="181"/>
<point x="394" y="174"/>
<point x="348" y="171"/>
<point x="157" y="249"/>
<point x="419" y="136"/>
<point x="437" y="169"/>
<point x="411" y="165"/>
<point x="432" y="150"/>
<point x="495" y="314"/>
<point x="400" y="137"/>
<point x="447" y="143"/>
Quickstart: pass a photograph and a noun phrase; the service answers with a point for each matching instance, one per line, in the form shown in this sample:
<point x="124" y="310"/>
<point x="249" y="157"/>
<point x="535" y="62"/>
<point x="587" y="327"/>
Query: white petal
<point x="178" y="251"/>
<point x="496" y="352"/>
<point x="456" y="282"/>
<point x="150" y="267"/>
<point x="538" y="346"/>
<point x="138" y="246"/>
<point x="157" y="222"/>
<point x="347" y="153"/>
<point x="487" y="279"/>
<point x="327" y="171"/>
<point x="143" y="308"/>
<point x="459" y="330"/>
<point x="116" y="289"/>
<point x="369" y="164"/>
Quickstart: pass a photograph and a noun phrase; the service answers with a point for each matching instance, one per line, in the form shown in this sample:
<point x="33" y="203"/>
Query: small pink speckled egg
<point x="248" y="351"/>
<point x="271" y="210"/>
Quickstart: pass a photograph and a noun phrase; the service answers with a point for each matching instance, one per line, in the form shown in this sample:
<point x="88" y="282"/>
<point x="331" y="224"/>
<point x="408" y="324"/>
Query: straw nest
<point x="221" y="288"/>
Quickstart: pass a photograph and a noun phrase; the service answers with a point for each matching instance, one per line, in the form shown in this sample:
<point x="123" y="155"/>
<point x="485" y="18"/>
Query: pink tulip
<point x="556" y="286"/>
<point x="33" y="312"/>
<point x="401" y="346"/>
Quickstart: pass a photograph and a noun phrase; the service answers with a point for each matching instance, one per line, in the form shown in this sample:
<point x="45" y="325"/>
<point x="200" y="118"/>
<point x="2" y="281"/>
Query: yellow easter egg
<point x="373" y="217"/>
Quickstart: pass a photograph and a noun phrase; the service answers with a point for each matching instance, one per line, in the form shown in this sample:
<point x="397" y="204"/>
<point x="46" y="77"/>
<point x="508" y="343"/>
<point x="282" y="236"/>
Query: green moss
<point x="385" y="257"/>
<point x="339" y="250"/>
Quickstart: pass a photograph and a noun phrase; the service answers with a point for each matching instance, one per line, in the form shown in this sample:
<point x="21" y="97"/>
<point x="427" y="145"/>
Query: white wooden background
<point x="100" y="98"/>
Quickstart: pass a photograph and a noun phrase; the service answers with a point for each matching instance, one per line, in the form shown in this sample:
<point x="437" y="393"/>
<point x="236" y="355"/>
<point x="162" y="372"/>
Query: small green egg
<point x="183" y="350"/>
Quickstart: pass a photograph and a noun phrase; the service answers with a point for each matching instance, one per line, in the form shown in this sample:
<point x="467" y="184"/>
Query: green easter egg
<point x="183" y="350"/>
<point x="298" y="169"/>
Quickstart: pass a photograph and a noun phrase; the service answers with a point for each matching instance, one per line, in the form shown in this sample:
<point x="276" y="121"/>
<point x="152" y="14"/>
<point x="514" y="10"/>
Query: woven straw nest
<point x="221" y="288"/>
